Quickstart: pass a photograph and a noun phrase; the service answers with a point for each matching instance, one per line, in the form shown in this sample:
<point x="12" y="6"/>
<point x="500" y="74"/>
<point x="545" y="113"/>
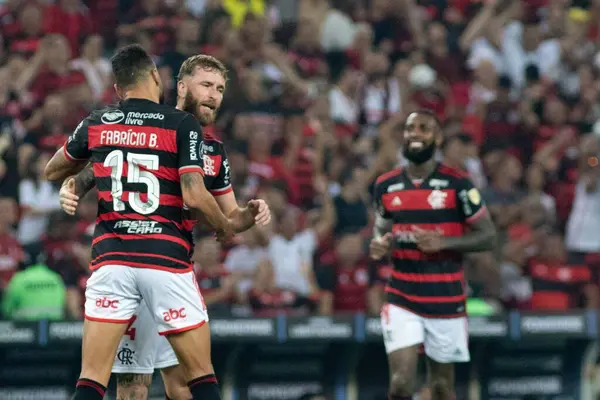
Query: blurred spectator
<point x="558" y="285"/>
<point x="582" y="226"/>
<point x="346" y="281"/>
<point x="216" y="284"/>
<point x="503" y="196"/>
<point x="38" y="197"/>
<point x="243" y="259"/>
<point x="94" y="66"/>
<point x="11" y="252"/>
<point x="33" y="294"/>
<point x="352" y="213"/>
<point x="292" y="249"/>
<point x="267" y="298"/>
<point x="71" y="19"/>
<point x="26" y="40"/>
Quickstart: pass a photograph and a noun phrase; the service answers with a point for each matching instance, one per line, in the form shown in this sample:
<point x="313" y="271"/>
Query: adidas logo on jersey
<point x="396" y="201"/>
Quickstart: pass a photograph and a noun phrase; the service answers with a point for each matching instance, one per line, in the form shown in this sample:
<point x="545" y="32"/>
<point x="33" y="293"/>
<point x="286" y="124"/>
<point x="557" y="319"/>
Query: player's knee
<point x="441" y="389"/>
<point x="401" y="384"/>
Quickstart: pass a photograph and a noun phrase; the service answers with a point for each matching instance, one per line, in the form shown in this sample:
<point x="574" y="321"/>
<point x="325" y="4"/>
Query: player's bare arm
<point x="197" y="198"/>
<point x="60" y="167"/>
<point x="482" y="237"/>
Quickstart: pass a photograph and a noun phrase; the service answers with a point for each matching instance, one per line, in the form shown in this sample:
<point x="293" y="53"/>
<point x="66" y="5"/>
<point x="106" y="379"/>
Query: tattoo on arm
<point x="481" y="238"/>
<point x="190" y="180"/>
<point x="133" y="386"/>
<point x="84" y="181"/>
<point x="381" y="227"/>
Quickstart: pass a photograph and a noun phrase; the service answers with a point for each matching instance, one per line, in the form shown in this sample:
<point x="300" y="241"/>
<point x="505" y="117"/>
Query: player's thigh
<point x="447" y="340"/>
<point x="175" y="381"/>
<point x="401" y="328"/>
<point x="111" y="301"/>
<point x="137" y="350"/>
<point x="403" y="332"/>
<point x="180" y="314"/>
<point x="133" y="386"/>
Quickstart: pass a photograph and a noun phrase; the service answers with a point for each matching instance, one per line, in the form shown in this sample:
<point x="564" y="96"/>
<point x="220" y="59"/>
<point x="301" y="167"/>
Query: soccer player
<point x="201" y="84"/>
<point x="146" y="165"/>
<point x="428" y="214"/>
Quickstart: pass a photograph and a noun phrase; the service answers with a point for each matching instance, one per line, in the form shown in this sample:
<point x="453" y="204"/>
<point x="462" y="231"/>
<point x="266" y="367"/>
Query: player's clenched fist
<point x="428" y="241"/>
<point x="261" y="212"/>
<point x="379" y="247"/>
<point x="68" y="199"/>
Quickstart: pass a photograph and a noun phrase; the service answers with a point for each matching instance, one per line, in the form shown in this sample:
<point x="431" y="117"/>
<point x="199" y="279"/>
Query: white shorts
<point x="114" y="293"/>
<point x="446" y="340"/>
<point x="142" y="349"/>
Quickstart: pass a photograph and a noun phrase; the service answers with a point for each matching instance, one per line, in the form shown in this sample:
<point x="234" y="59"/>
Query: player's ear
<point x="156" y="77"/>
<point x="439" y="138"/>
<point x="120" y="93"/>
<point x="181" y="89"/>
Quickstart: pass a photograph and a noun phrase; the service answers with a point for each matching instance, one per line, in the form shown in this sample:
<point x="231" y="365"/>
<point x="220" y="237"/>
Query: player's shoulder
<point x="208" y="137"/>
<point x="453" y="175"/>
<point x="388" y="177"/>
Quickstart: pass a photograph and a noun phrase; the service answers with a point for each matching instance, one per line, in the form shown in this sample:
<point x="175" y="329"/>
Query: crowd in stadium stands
<point x="313" y="113"/>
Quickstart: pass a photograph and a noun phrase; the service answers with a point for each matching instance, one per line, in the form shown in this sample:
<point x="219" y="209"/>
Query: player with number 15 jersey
<point x="138" y="150"/>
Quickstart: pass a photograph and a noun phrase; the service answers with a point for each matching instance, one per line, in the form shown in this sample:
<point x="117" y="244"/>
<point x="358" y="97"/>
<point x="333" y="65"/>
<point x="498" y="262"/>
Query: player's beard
<point x="419" y="156"/>
<point x="194" y="107"/>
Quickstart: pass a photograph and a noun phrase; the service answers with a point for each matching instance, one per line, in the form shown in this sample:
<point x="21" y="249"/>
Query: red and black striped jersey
<point x="217" y="172"/>
<point x="430" y="285"/>
<point x="139" y="150"/>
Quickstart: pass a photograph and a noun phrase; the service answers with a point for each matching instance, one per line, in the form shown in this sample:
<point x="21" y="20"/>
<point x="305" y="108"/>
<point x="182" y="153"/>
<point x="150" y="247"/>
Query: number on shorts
<point x="131" y="331"/>
<point x="114" y="160"/>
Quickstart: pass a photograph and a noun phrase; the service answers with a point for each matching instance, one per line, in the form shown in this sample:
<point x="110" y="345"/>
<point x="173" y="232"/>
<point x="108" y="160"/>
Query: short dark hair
<point x="130" y="65"/>
<point x="203" y="61"/>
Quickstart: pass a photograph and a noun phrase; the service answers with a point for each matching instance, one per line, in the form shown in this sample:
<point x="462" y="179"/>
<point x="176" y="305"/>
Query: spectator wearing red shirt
<point x="216" y="284"/>
<point x="344" y="276"/>
<point x="48" y="71"/>
<point x="558" y="285"/>
<point x="11" y="252"/>
<point x="266" y="299"/>
<point x="71" y="19"/>
<point x="26" y="40"/>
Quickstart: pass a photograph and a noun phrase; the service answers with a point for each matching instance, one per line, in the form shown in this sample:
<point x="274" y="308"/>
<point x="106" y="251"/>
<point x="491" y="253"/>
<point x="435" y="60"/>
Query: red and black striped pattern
<point x="429" y="284"/>
<point x="138" y="151"/>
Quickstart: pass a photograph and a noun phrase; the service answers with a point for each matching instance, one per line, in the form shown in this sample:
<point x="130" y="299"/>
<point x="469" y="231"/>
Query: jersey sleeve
<point x="76" y="148"/>
<point x="189" y="140"/>
<point x="222" y="184"/>
<point x="378" y="191"/>
<point x="470" y="203"/>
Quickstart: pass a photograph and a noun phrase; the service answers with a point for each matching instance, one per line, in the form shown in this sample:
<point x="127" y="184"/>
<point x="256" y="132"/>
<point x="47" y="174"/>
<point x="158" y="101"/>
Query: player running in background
<point x="146" y="164"/>
<point x="201" y="84"/>
<point x="427" y="214"/>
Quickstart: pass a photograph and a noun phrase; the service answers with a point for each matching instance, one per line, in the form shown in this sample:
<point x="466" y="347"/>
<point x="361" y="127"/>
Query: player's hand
<point x="260" y="209"/>
<point x="226" y="234"/>
<point x="378" y="248"/>
<point x="68" y="199"/>
<point x="428" y="241"/>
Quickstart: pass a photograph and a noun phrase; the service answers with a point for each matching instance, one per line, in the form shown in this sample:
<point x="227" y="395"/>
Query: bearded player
<point x="428" y="215"/>
<point x="200" y="88"/>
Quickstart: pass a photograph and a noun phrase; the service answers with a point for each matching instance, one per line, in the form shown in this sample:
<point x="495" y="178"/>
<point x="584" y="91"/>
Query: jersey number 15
<point x="114" y="160"/>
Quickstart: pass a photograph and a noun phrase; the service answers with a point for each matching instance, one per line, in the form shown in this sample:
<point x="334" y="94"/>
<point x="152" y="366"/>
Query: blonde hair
<point x="203" y="61"/>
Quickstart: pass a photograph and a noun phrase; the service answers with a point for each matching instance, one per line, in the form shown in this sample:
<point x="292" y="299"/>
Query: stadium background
<point x="312" y="114"/>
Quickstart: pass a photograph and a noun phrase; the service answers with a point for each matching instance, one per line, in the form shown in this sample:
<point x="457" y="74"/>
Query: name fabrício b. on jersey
<point x="139" y="227"/>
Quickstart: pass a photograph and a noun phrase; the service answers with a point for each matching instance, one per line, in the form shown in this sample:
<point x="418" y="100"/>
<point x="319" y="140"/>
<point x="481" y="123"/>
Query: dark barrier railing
<point x="281" y="358"/>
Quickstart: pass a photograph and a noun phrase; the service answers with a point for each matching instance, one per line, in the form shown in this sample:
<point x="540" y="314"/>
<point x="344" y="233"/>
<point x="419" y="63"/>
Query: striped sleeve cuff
<point x="69" y="157"/>
<point x="473" y="218"/>
<point x="191" y="168"/>
<point x="221" y="191"/>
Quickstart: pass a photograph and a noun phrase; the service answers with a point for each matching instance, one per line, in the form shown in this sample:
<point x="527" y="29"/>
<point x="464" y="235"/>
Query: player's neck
<point x="142" y="94"/>
<point x="421" y="171"/>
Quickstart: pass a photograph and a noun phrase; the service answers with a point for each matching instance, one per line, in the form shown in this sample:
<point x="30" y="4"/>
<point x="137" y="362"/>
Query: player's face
<point x="420" y="138"/>
<point x="204" y="94"/>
